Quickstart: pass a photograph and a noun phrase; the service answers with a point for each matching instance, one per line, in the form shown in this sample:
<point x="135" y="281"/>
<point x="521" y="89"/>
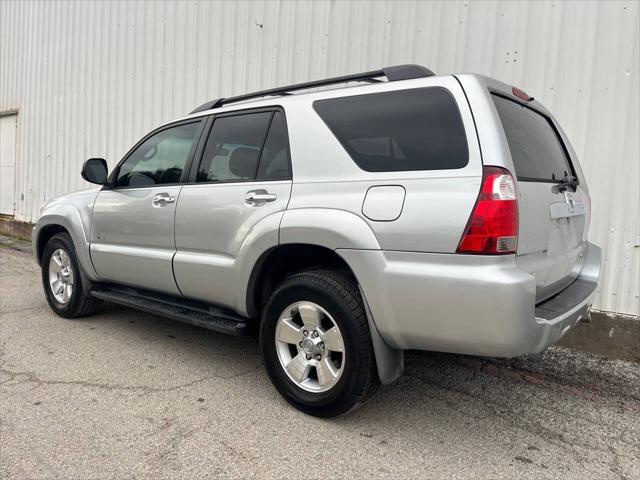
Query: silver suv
<point x="400" y="210"/>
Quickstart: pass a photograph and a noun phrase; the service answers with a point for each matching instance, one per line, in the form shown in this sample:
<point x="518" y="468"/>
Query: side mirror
<point x="95" y="170"/>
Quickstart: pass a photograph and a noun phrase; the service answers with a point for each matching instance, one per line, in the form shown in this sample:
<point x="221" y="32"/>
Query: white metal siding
<point x="8" y="130"/>
<point x="89" y="78"/>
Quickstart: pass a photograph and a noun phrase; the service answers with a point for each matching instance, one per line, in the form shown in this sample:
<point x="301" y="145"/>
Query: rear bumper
<point x="476" y="305"/>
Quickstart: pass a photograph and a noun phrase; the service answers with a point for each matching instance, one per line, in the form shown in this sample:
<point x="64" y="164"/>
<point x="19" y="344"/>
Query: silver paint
<point x="132" y="237"/>
<point x="217" y="229"/>
<point x="476" y="305"/>
<point x="419" y="293"/>
<point x="548" y="248"/>
<point x="383" y="203"/>
<point x="73" y="213"/>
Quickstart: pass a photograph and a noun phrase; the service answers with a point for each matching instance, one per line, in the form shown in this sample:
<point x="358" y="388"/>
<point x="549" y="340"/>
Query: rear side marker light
<point x="493" y="226"/>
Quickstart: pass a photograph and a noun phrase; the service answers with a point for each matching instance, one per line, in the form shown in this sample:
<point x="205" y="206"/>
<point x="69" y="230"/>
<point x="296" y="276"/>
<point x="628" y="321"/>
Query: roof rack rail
<point x="393" y="74"/>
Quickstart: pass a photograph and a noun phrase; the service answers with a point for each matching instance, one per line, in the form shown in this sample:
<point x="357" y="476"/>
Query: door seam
<point x="175" y="244"/>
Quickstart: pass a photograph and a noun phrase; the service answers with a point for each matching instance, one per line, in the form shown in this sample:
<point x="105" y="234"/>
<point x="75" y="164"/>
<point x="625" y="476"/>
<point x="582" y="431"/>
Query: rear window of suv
<point x="404" y="130"/>
<point x="538" y="155"/>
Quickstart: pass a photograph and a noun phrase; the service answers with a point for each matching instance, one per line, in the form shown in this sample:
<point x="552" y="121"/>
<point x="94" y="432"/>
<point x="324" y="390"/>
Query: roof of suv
<point x="393" y="74"/>
<point x="364" y="82"/>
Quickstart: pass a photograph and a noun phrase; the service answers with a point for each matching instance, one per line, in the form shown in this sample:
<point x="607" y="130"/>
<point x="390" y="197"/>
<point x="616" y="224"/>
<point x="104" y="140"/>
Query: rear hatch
<point x="552" y="203"/>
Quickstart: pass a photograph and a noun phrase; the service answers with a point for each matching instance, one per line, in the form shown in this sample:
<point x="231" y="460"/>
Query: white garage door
<point x="8" y="129"/>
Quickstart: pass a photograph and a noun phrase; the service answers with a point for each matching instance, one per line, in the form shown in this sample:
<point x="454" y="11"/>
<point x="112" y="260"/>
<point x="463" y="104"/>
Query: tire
<point x="74" y="303"/>
<point x="339" y="304"/>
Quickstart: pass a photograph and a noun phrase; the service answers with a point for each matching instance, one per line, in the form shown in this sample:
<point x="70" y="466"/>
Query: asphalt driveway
<point x="124" y="394"/>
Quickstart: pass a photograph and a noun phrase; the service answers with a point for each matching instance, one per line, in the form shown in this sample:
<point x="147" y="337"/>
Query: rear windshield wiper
<point x="568" y="182"/>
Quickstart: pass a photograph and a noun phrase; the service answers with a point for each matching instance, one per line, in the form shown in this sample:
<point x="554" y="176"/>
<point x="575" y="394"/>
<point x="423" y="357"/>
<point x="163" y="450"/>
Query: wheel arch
<point x="275" y="264"/>
<point x="327" y="227"/>
<point x="280" y="261"/>
<point x="69" y="220"/>
<point x="43" y="236"/>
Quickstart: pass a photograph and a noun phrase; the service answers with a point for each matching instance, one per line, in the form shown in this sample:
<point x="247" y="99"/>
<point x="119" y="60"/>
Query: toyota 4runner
<point x="400" y="210"/>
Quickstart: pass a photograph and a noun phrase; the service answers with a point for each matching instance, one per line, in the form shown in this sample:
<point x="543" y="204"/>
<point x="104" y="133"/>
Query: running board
<point x="183" y="310"/>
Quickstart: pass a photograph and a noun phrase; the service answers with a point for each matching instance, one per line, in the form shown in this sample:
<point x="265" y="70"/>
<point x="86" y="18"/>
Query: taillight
<point x="493" y="226"/>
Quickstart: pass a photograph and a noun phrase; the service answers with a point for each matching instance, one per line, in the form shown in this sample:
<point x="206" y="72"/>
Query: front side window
<point x="160" y="159"/>
<point x="404" y="130"/>
<point x="245" y="147"/>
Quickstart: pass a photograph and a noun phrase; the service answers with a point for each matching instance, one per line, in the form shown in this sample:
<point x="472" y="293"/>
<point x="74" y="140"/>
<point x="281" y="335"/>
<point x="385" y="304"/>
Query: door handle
<point x="259" y="196"/>
<point x="163" y="199"/>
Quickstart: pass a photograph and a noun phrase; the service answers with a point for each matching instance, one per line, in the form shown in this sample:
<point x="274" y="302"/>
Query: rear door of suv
<point x="553" y="210"/>
<point x="240" y="181"/>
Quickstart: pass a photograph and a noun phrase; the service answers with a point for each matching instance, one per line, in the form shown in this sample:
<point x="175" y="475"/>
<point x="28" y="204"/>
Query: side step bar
<point x="183" y="310"/>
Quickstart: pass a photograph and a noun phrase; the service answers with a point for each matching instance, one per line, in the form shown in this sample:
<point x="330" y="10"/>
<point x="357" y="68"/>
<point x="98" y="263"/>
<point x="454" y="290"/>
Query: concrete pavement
<point x="124" y="394"/>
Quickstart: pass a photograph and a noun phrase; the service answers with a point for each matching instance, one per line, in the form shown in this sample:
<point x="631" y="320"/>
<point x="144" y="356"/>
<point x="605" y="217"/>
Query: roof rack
<point x="393" y="74"/>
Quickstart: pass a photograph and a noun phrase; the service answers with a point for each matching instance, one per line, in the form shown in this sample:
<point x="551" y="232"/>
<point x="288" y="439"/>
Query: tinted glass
<point x="160" y="159"/>
<point x="535" y="148"/>
<point x="233" y="148"/>
<point x="274" y="162"/>
<point x="418" y="129"/>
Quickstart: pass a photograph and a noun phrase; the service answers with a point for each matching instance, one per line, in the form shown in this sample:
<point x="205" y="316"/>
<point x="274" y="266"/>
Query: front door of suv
<point x="132" y="228"/>
<point x="241" y="186"/>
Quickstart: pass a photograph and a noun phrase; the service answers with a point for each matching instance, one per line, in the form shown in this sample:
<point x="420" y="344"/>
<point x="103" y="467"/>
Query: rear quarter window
<point x="536" y="151"/>
<point x="404" y="130"/>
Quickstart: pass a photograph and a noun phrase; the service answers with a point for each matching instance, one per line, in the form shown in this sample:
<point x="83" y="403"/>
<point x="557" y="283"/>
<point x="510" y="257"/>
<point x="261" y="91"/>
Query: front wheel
<point x="316" y="343"/>
<point x="62" y="281"/>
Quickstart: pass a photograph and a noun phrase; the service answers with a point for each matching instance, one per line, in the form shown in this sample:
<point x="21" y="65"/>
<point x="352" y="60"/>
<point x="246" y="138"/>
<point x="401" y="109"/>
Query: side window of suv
<point x="404" y="130"/>
<point x="160" y="159"/>
<point x="245" y="147"/>
<point x="274" y="162"/>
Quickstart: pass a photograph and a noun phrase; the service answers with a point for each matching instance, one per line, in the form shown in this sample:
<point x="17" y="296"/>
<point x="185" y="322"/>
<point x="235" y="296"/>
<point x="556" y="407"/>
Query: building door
<point x="8" y="130"/>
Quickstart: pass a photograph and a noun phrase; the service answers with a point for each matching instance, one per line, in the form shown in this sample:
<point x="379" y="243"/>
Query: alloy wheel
<point x="310" y="347"/>
<point x="61" y="276"/>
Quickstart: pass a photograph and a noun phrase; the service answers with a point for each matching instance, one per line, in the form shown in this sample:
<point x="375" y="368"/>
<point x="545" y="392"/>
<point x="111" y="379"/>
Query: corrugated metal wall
<point x="89" y="78"/>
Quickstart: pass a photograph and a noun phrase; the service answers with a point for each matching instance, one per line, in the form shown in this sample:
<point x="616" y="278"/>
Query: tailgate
<point x="553" y="205"/>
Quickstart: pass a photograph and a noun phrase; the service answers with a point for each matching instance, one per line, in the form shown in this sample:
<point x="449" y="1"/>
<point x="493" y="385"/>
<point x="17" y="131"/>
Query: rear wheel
<point x="316" y="343"/>
<point x="62" y="281"/>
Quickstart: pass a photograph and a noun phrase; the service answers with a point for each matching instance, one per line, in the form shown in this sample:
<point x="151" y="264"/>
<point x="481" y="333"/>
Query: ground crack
<point x="29" y="377"/>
